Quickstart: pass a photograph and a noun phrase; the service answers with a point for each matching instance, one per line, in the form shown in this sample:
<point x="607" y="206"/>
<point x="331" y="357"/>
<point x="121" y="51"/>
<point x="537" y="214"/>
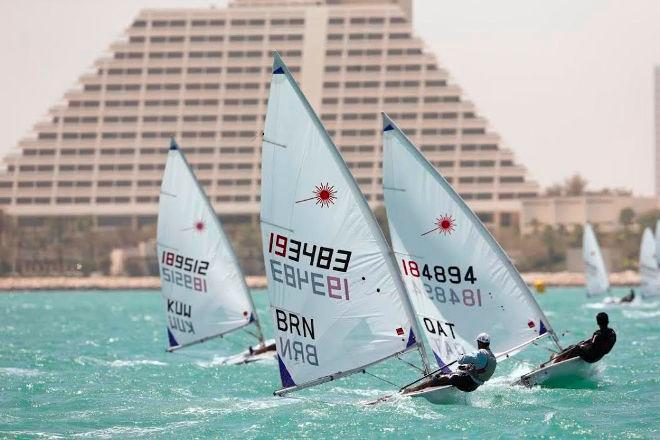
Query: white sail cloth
<point x="335" y="301"/>
<point x="202" y="285"/>
<point x="459" y="279"/>
<point x="648" y="265"/>
<point x="594" y="266"/>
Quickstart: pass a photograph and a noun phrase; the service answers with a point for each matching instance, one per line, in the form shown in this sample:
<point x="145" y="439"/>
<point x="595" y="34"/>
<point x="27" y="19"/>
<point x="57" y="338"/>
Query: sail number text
<point x="317" y="256"/>
<point x="189" y="274"/>
<point x="451" y="274"/>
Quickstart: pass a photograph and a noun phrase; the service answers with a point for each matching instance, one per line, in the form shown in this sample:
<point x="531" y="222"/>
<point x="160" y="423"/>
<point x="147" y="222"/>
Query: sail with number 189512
<point x="203" y="288"/>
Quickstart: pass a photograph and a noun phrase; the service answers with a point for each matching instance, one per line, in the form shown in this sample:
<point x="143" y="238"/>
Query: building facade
<point x="202" y="75"/>
<point x="601" y="210"/>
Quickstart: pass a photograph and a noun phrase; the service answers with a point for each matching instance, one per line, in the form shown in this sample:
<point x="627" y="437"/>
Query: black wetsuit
<point x="598" y="346"/>
<point x="591" y="350"/>
<point x="463" y="381"/>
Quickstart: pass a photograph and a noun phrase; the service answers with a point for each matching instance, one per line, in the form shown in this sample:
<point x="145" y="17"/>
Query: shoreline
<point x="13" y="284"/>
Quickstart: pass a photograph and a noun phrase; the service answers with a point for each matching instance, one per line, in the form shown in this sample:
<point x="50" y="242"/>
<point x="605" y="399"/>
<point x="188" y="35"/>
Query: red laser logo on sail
<point x="444" y="224"/>
<point x="324" y="194"/>
<point x="199" y="226"/>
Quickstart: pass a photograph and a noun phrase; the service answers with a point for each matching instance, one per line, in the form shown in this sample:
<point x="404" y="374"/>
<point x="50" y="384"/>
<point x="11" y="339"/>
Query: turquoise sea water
<point x="92" y="364"/>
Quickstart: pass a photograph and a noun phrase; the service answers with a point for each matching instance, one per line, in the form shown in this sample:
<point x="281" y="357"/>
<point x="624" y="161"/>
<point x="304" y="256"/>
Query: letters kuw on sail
<point x="202" y="285"/>
<point x="594" y="266"/>
<point x="335" y="302"/>
<point x="460" y="281"/>
<point x="648" y="266"/>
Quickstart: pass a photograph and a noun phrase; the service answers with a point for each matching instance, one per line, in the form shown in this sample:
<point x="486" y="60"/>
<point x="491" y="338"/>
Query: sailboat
<point x="459" y="279"/>
<point x="648" y="265"/>
<point x="338" y="302"/>
<point x="202" y="285"/>
<point x="595" y="272"/>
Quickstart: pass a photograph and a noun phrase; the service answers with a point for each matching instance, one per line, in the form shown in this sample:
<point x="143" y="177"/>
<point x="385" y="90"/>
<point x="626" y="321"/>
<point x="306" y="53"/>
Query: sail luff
<point x="484" y="233"/>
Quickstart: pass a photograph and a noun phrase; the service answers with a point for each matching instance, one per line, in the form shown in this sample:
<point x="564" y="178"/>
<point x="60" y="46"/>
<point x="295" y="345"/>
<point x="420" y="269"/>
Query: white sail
<point x="337" y="299"/>
<point x="657" y="241"/>
<point x="203" y="288"/>
<point x="648" y="266"/>
<point x="460" y="280"/>
<point x="594" y="266"/>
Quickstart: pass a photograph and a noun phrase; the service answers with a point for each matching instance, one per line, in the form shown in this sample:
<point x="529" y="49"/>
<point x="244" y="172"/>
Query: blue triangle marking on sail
<point x="443" y="367"/>
<point x="388" y="127"/>
<point x="278" y="71"/>
<point x="287" y="381"/>
<point x="411" y="339"/>
<point x="173" y="145"/>
<point x="172" y="340"/>
<point x="542" y="329"/>
<point x="252" y="317"/>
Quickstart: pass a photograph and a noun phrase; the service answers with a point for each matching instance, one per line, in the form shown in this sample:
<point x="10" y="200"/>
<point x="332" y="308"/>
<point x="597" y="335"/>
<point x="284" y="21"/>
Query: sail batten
<point x="595" y="272"/>
<point x="202" y="285"/>
<point x="337" y="299"/>
<point x="461" y="281"/>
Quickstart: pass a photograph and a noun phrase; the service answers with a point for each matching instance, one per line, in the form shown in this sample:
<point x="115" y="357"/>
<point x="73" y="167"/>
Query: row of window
<point x="365" y="20"/>
<point x="160" y="39"/>
<point x="464" y="147"/>
<point x="389" y="100"/>
<point x="372" y="52"/>
<point x="209" y="70"/>
<point x="378" y="68"/>
<point x="219" y="22"/>
<point x="123" y="167"/>
<point x="132" y="151"/>
<point x="113" y="103"/>
<point x="369" y="36"/>
<point x="228" y="134"/>
<point x="220" y="198"/>
<point x="406" y="116"/>
<point x="387" y="84"/>
<point x="200" y="54"/>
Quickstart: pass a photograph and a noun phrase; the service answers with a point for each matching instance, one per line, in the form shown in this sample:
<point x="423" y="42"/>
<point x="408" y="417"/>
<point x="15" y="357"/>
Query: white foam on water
<point x="132" y="431"/>
<point x="641" y="314"/>
<point x="132" y="363"/>
<point x="35" y="434"/>
<point x="22" y="372"/>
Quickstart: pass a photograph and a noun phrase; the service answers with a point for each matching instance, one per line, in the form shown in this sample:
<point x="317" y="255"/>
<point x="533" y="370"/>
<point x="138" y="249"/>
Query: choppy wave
<point x="23" y="372"/>
<point x="641" y="314"/>
<point x="128" y="363"/>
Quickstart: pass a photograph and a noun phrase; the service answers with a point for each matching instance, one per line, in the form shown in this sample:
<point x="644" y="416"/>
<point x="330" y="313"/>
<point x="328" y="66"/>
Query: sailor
<point x="628" y="298"/>
<point x="593" y="349"/>
<point x="475" y="369"/>
<point x="262" y="348"/>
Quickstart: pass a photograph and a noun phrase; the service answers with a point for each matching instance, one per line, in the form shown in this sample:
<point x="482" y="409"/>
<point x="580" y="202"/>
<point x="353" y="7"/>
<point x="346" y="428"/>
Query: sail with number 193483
<point x="338" y="303"/>
<point x="203" y="288"/>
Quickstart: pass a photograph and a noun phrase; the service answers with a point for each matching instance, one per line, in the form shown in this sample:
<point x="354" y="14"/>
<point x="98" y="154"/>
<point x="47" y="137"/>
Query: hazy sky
<point x="568" y="84"/>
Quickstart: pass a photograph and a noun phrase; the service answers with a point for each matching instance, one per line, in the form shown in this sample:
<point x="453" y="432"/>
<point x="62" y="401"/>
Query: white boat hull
<point x="570" y="370"/>
<point x="441" y="395"/>
<point x="245" y="357"/>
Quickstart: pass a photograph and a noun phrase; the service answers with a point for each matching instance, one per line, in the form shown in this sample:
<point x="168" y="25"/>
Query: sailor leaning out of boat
<point x="475" y="369"/>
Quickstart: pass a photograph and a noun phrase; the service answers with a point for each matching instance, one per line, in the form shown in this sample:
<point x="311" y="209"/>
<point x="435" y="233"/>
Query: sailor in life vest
<point x="474" y="369"/>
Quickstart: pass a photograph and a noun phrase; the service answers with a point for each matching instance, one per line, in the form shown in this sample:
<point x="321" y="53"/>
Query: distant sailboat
<point x="459" y="279"/>
<point x="595" y="272"/>
<point x="337" y="299"/>
<point x="203" y="288"/>
<point x="648" y="265"/>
